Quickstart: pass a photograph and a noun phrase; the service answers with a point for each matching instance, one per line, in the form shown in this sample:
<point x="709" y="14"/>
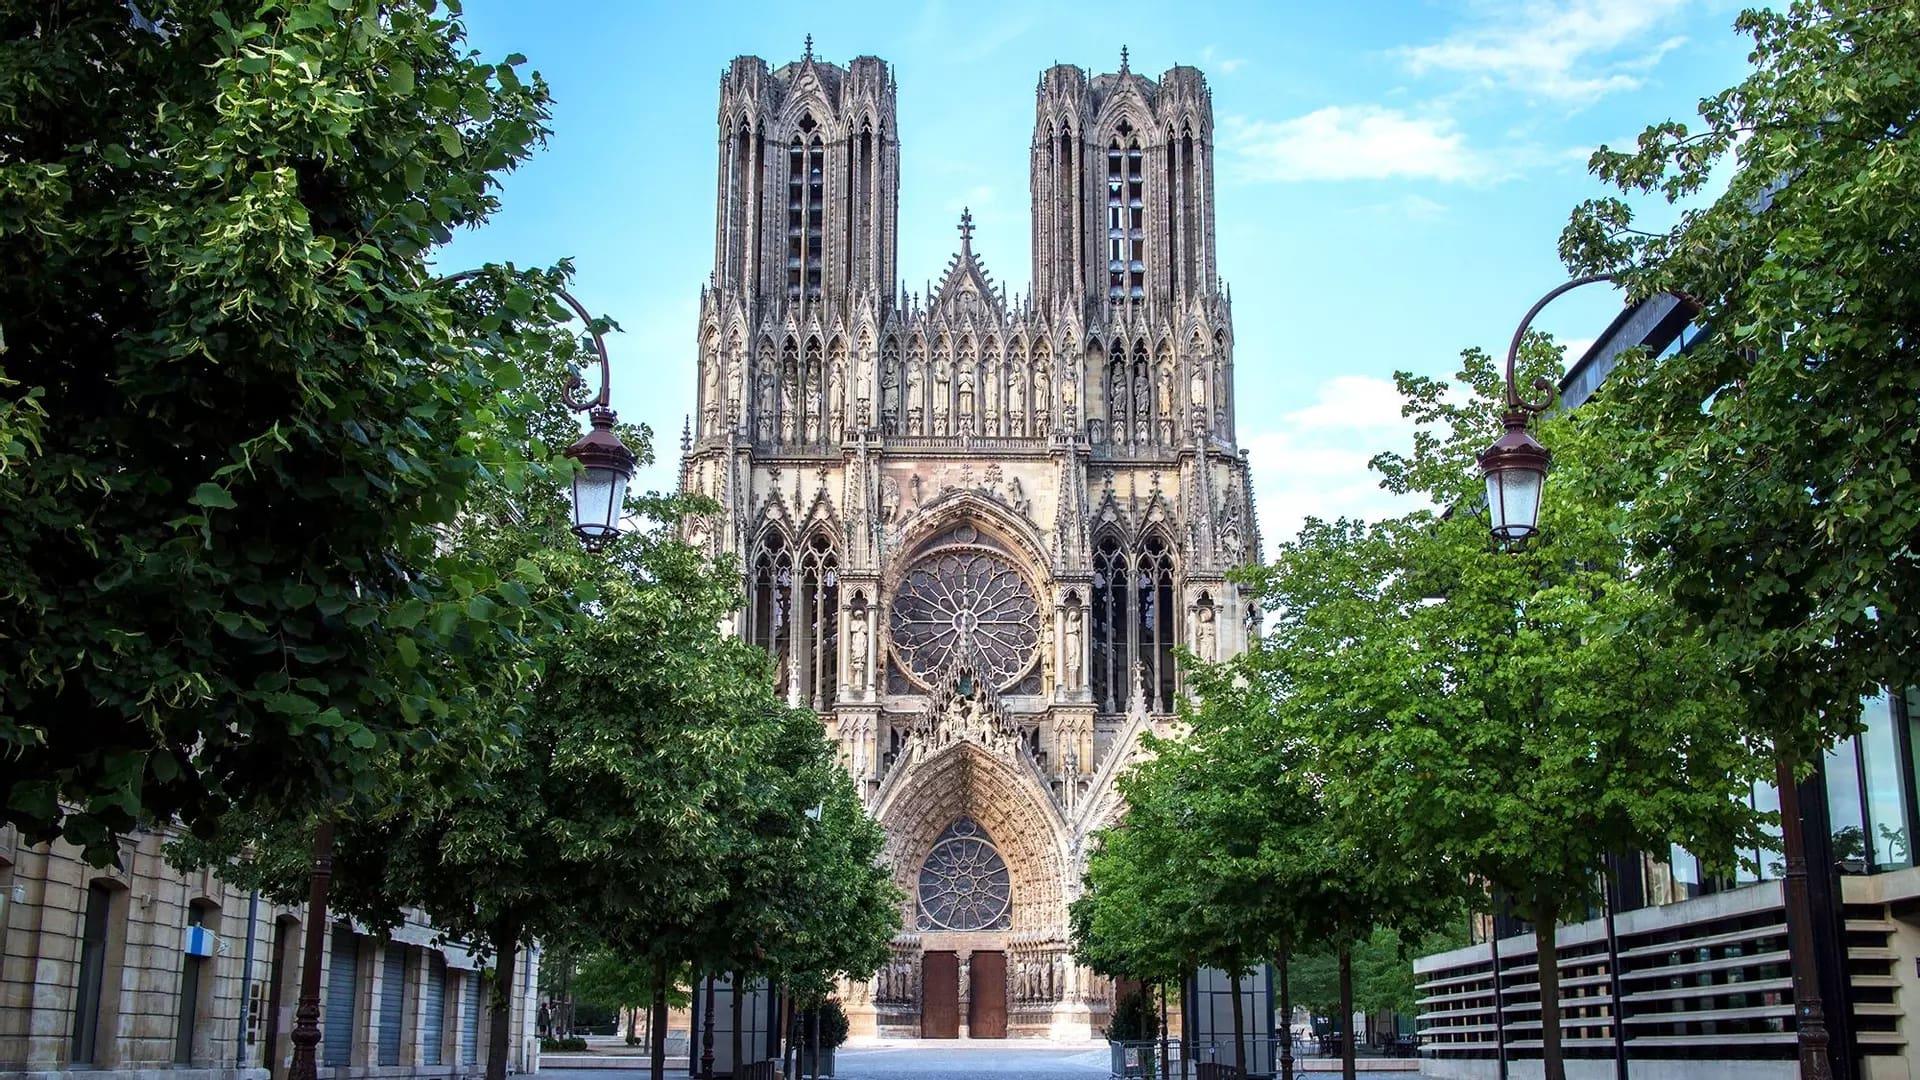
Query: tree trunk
<point x="1239" y="1028"/>
<point x="506" y="946"/>
<point x="789" y="1051"/>
<point x="1552" y="1062"/>
<point x="633" y="1026"/>
<point x="813" y="1040"/>
<point x="1286" y="1022"/>
<point x="1347" y="1067"/>
<point x="657" y="1022"/>
<point x="737" y="1006"/>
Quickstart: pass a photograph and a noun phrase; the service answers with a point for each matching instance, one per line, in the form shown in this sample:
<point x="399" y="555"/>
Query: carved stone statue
<point x="787" y="410"/>
<point x="1204" y="644"/>
<point x="766" y="405"/>
<point x="857" y="647"/>
<point x="966" y="392"/>
<point x="942" y="395"/>
<point x="1163" y="391"/>
<point x="837" y="402"/>
<point x="1073" y="645"/>
<point x="1197" y="386"/>
<point x="813" y="413"/>
<point x="889" y="500"/>
<point x="1017" y="399"/>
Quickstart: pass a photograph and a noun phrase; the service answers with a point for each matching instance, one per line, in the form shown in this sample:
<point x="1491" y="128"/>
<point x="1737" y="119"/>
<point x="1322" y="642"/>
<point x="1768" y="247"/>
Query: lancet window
<point x="770" y="611"/>
<point x="1133" y="622"/>
<point x="820" y="626"/>
<point x="806" y="201"/>
<point x="1126" y="218"/>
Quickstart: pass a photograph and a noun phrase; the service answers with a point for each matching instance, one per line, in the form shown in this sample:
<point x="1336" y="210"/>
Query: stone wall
<point x="45" y="892"/>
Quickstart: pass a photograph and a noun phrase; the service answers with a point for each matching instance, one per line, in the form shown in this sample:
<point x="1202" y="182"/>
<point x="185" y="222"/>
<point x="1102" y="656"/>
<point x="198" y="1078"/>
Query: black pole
<point x="306" y="1016"/>
<point x="1610" y="898"/>
<point x="246" y="982"/>
<point x="706" y="1034"/>
<point x="1499" y="996"/>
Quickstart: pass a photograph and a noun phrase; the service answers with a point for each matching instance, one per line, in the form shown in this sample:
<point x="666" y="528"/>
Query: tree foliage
<point x="1770" y="465"/>
<point x="1513" y="714"/>
<point x="234" y="406"/>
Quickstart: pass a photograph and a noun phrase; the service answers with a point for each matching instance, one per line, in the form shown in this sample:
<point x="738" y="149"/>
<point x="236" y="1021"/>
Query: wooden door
<point x="940" y="995"/>
<point x="987" y="1002"/>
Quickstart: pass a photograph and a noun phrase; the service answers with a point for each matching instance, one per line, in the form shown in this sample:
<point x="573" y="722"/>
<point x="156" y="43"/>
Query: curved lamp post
<point x="599" y="493"/>
<point x="1515" y="470"/>
<point x="600" y="486"/>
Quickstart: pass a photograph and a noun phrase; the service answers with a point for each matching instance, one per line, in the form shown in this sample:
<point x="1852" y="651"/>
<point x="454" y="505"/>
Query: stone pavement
<point x="1004" y="1059"/>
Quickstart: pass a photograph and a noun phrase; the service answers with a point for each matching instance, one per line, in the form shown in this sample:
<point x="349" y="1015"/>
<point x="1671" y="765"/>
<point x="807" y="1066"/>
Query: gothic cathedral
<point x="975" y="527"/>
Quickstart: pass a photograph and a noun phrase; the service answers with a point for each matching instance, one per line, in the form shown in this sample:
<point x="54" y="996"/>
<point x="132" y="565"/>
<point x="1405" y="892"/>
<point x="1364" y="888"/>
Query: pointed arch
<point x="963" y="780"/>
<point x="770" y="600"/>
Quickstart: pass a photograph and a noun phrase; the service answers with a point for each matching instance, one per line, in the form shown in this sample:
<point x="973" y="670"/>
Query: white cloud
<point x="1212" y="60"/>
<point x="1568" y="50"/>
<point x="1354" y="142"/>
<point x="1313" y="463"/>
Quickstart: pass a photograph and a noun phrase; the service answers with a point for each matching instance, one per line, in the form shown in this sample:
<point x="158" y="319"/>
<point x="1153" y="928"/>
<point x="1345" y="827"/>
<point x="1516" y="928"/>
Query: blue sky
<point x="1392" y="177"/>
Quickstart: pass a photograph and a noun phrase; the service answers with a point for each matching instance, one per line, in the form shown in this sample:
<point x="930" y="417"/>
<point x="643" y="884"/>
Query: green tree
<point x="1770" y="465"/>
<point x="1515" y="715"/>
<point x="234" y="408"/>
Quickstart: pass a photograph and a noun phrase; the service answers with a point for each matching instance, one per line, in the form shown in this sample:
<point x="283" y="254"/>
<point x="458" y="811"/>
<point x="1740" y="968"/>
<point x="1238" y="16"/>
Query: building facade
<point x="143" y="967"/>
<point x="975" y="527"/>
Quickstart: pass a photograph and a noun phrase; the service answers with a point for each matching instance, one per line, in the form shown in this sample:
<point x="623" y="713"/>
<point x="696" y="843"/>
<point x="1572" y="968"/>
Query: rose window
<point x="970" y="595"/>
<point x="963" y="883"/>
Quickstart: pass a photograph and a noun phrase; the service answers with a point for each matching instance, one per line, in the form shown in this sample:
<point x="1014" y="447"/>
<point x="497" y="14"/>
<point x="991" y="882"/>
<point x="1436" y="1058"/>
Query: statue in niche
<point x="1069" y="394"/>
<point x="966" y="383"/>
<point x="889" y="500"/>
<point x="1163" y="391"/>
<point x="1042" y="398"/>
<point x="857" y="647"/>
<point x="837" y="402"/>
<point x="916" y="378"/>
<point x="766" y="405"/>
<point x="1197" y="387"/>
<point x="710" y="392"/>
<point x="1017" y="400"/>
<point x="889" y="397"/>
<point x="863" y="374"/>
<point x="1073" y="645"/>
<point x="1141" y="402"/>
<point x="813" y="412"/>
<point x="990" y="391"/>
<point x="942" y="395"/>
<point x="1204" y="634"/>
<point x="1117" y="396"/>
<point x="787" y="409"/>
<point x="736" y="384"/>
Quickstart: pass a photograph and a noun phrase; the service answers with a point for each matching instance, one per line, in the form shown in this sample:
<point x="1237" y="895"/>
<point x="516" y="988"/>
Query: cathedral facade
<point x="975" y="527"/>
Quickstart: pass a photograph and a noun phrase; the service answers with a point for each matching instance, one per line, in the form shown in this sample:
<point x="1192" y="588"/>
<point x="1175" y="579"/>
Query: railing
<point x="1703" y="978"/>
<point x="759" y="1070"/>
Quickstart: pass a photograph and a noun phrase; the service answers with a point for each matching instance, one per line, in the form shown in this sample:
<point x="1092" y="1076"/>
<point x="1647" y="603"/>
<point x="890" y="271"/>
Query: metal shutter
<point x="343" y="985"/>
<point x="393" y="1002"/>
<point x="470" y="1018"/>
<point x="434" y="1021"/>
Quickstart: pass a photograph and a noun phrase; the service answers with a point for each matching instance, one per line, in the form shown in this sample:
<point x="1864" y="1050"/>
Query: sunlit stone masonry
<point x="974" y="526"/>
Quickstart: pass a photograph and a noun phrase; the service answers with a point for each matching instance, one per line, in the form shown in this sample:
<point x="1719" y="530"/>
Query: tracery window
<point x="1132" y="620"/>
<point x="965" y="594"/>
<point x="820" y="604"/>
<point x="770" y="612"/>
<point x="964" y="884"/>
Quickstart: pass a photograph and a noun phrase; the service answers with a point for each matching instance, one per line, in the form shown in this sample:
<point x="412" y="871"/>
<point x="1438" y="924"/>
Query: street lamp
<point x="599" y="492"/>
<point x="1515" y="470"/>
<point x="1515" y="466"/>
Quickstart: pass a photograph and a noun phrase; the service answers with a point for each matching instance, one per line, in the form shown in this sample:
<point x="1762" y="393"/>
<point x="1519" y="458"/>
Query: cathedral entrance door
<point x="987" y="1004"/>
<point x="940" y="995"/>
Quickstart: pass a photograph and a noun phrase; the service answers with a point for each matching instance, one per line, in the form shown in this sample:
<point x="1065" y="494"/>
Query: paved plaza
<point x="1008" y="1059"/>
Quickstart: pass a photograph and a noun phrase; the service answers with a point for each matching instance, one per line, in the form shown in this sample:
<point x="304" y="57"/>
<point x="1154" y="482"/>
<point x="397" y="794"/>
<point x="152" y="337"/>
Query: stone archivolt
<point x="959" y="510"/>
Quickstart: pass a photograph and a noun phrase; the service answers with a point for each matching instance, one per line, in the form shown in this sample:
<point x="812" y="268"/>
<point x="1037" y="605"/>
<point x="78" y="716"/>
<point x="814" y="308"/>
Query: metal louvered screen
<point x="470" y="1018"/>
<point x="343" y="985"/>
<point x="393" y="1002"/>
<point x="433" y="1021"/>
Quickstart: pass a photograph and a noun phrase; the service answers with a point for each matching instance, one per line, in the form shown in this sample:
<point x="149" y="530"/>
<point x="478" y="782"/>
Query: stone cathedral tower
<point x="974" y="526"/>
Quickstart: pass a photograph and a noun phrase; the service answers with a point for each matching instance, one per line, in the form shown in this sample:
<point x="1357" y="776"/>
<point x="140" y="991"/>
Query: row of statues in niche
<point x="1031" y="980"/>
<point x="794" y="403"/>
